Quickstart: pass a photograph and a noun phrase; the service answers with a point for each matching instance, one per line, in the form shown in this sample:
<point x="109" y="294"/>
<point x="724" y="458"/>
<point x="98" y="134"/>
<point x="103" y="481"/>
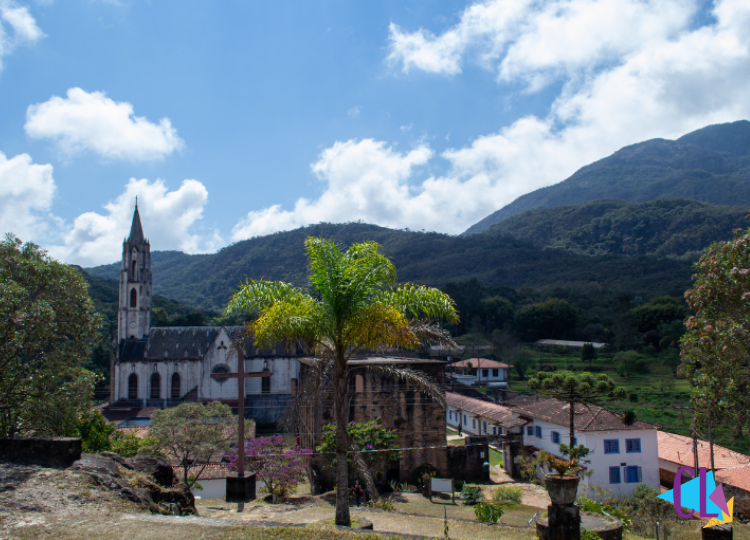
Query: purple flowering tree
<point x="279" y="468"/>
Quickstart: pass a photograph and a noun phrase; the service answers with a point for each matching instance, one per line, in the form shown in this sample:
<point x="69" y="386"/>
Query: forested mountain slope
<point x="664" y="227"/>
<point x="710" y="165"/>
<point x="207" y="281"/>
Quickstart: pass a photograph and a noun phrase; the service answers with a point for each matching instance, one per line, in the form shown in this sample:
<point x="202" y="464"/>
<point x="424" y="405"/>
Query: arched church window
<point x="133" y="386"/>
<point x="175" y="386"/>
<point x="155" y="386"/>
<point x="265" y="385"/>
<point x="133" y="273"/>
<point x="133" y="298"/>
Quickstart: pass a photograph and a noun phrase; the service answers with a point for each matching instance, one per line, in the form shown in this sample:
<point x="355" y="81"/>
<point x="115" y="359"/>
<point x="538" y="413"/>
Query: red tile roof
<point x="585" y="418"/>
<point x="476" y="363"/>
<point x="738" y="477"/>
<point x="503" y="415"/>
<point x="679" y="449"/>
<point x="115" y="413"/>
<point x="211" y="472"/>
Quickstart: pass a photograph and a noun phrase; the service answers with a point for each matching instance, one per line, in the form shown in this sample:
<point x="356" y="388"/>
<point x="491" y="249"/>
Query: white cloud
<point x="26" y="193"/>
<point x="168" y="218"/>
<point x="364" y="180"/>
<point x="91" y="121"/>
<point x="17" y="27"/>
<point x="353" y="112"/>
<point x="631" y="70"/>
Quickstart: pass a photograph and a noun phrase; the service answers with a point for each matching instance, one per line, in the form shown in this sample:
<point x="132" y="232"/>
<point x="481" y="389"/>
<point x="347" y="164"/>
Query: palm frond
<point x="433" y="333"/>
<point x="418" y="302"/>
<point x="376" y="326"/>
<point x="364" y="471"/>
<point x="300" y="318"/>
<point x="261" y="295"/>
<point x="415" y="378"/>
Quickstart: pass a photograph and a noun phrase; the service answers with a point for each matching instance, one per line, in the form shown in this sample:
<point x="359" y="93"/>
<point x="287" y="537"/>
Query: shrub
<point x="491" y="511"/>
<point x="471" y="495"/>
<point x="507" y="493"/>
<point x="418" y="474"/>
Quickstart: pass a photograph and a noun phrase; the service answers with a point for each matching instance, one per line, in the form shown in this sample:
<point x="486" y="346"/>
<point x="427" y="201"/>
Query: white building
<point x="163" y="367"/>
<point x="621" y="456"/>
<point x="480" y="371"/>
<point x="478" y="417"/>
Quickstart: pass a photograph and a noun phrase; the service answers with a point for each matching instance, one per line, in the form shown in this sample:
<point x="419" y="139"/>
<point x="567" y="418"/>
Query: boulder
<point x="155" y="466"/>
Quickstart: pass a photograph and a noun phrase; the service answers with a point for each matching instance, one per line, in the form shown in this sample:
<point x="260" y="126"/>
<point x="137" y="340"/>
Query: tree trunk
<point x="341" y="412"/>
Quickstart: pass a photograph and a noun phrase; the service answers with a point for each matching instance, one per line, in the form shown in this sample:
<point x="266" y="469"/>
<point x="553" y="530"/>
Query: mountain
<point x="664" y="227"/>
<point x="207" y="281"/>
<point x="709" y="165"/>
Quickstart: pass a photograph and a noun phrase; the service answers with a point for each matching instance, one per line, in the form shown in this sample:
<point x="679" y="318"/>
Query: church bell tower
<point x="134" y="315"/>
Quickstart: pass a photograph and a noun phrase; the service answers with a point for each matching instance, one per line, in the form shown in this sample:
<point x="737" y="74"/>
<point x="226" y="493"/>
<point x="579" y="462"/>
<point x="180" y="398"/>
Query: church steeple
<point x="136" y="230"/>
<point x="134" y="317"/>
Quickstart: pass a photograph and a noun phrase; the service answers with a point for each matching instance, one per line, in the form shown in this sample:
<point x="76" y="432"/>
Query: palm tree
<point x="354" y="306"/>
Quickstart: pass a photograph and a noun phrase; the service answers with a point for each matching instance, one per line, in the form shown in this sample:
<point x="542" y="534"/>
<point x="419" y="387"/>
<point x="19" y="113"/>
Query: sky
<point x="235" y="119"/>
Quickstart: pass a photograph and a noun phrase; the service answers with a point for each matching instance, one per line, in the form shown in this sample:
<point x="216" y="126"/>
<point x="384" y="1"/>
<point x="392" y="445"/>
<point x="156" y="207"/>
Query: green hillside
<point x="664" y="227"/>
<point x="710" y="165"/>
<point x="207" y="281"/>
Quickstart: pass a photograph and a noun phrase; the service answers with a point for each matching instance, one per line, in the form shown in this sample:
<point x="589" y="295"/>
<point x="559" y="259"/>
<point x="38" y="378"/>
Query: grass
<point x="496" y="458"/>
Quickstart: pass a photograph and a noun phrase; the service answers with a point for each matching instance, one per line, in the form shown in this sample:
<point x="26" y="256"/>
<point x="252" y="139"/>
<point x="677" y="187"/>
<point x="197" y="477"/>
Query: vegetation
<point x="708" y="164"/>
<point x="716" y="347"/>
<point x="95" y="432"/>
<point x="279" y="468"/>
<point x="678" y="228"/>
<point x="471" y="495"/>
<point x="356" y="307"/>
<point x="372" y="445"/>
<point x="191" y="433"/>
<point x="492" y="511"/>
<point x="47" y="326"/>
<point x="507" y="493"/>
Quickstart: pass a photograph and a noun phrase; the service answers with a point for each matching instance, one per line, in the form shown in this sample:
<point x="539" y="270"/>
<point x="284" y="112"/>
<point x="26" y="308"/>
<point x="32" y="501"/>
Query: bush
<point x="471" y="495"/>
<point x="418" y="474"/>
<point x="507" y="493"/>
<point x="491" y="511"/>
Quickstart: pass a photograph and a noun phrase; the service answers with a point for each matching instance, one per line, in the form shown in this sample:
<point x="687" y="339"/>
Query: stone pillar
<point x="564" y="522"/>
<point x="241" y="489"/>
<point x="717" y="532"/>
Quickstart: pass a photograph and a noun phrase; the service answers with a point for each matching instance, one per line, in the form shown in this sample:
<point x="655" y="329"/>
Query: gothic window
<point x="266" y="385"/>
<point x="221" y="368"/>
<point x="133" y="298"/>
<point x="133" y="274"/>
<point x="155" y="386"/>
<point x="133" y="386"/>
<point x="175" y="385"/>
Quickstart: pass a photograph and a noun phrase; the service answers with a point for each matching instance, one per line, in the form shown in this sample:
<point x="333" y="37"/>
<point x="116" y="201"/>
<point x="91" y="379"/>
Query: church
<point x="165" y="366"/>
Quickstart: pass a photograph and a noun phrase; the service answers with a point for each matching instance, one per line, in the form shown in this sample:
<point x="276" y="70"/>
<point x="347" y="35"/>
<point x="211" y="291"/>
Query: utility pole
<point x="711" y="441"/>
<point x="695" y="448"/>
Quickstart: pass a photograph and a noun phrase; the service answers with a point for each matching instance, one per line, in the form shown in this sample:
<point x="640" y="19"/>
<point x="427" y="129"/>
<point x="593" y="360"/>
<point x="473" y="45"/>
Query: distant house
<point x="566" y="343"/>
<point x="622" y="456"/>
<point x="676" y="451"/>
<point x="736" y="482"/>
<point x="212" y="479"/>
<point x="480" y="371"/>
<point x="478" y="417"/>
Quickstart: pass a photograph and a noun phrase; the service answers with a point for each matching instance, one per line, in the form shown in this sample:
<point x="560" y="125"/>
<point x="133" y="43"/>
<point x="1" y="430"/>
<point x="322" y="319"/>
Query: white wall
<point x="212" y="489"/>
<point x="599" y="462"/>
<point x="468" y="426"/>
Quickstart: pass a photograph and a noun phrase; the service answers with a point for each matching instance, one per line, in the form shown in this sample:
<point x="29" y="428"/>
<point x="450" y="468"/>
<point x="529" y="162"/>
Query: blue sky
<point x="236" y="119"/>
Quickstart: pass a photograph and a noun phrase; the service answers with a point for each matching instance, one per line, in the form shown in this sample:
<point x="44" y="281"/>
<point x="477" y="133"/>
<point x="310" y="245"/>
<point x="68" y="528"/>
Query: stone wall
<point x="266" y="409"/>
<point x="45" y="451"/>
<point x="465" y="462"/>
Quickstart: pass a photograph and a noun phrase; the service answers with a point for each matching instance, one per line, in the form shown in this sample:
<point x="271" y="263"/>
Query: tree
<point x="373" y="447"/>
<point x="95" y="432"/>
<point x="47" y="326"/>
<point x="192" y="433"/>
<point x="280" y="469"/>
<point x="354" y="305"/>
<point x="716" y="345"/>
<point x="524" y="359"/>
<point x="572" y="388"/>
<point x="588" y="353"/>
<point x="553" y="318"/>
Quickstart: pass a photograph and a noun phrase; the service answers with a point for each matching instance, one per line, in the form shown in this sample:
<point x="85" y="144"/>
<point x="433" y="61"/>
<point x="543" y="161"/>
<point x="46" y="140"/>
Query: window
<point x="265" y="385"/>
<point x="611" y="446"/>
<point x="133" y="386"/>
<point x="175" y="386"/>
<point x="133" y="274"/>
<point x="530" y="431"/>
<point x="155" y="386"/>
<point x="633" y="474"/>
<point x="485" y="426"/>
<point x="133" y="298"/>
<point x="632" y="445"/>
<point x="359" y="383"/>
<point x="575" y="441"/>
<point x="499" y="431"/>
<point x="614" y="475"/>
<point x="494" y="431"/>
<point x="450" y="415"/>
<point x="494" y="372"/>
<point x="485" y="373"/>
<point x="538" y="432"/>
<point x="465" y="420"/>
<point x="555" y="437"/>
<point x="474" y="423"/>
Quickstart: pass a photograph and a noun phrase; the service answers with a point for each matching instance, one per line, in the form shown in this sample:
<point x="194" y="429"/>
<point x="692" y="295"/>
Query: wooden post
<point x="711" y="442"/>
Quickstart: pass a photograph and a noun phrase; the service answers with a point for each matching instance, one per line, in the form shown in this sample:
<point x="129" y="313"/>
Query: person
<point x="460" y="430"/>
<point x="357" y="493"/>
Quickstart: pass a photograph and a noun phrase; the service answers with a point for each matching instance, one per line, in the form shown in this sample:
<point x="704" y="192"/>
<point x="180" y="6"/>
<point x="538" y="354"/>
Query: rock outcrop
<point x="143" y="480"/>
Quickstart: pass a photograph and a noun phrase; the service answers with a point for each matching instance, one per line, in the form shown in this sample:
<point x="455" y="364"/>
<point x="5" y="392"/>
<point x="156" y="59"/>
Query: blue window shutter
<point x="538" y="432"/>
<point x="485" y="426"/>
<point x="474" y="423"/>
<point x="575" y="441"/>
<point x="632" y="445"/>
<point x="614" y="475"/>
<point x="530" y="430"/>
<point x="611" y="446"/>
<point x="555" y="437"/>
<point x="634" y="474"/>
<point x="494" y="431"/>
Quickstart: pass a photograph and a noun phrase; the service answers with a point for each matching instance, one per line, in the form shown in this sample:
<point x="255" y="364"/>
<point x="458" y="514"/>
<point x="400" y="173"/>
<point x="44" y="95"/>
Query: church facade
<point x="165" y="366"/>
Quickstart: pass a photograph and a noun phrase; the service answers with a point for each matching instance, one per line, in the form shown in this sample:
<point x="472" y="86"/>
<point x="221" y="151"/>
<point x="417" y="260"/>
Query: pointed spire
<point x="136" y="231"/>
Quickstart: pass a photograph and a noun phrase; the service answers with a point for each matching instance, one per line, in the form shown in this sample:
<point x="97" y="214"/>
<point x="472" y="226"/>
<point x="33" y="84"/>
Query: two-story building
<point x="480" y="371"/>
<point x="621" y="455"/>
